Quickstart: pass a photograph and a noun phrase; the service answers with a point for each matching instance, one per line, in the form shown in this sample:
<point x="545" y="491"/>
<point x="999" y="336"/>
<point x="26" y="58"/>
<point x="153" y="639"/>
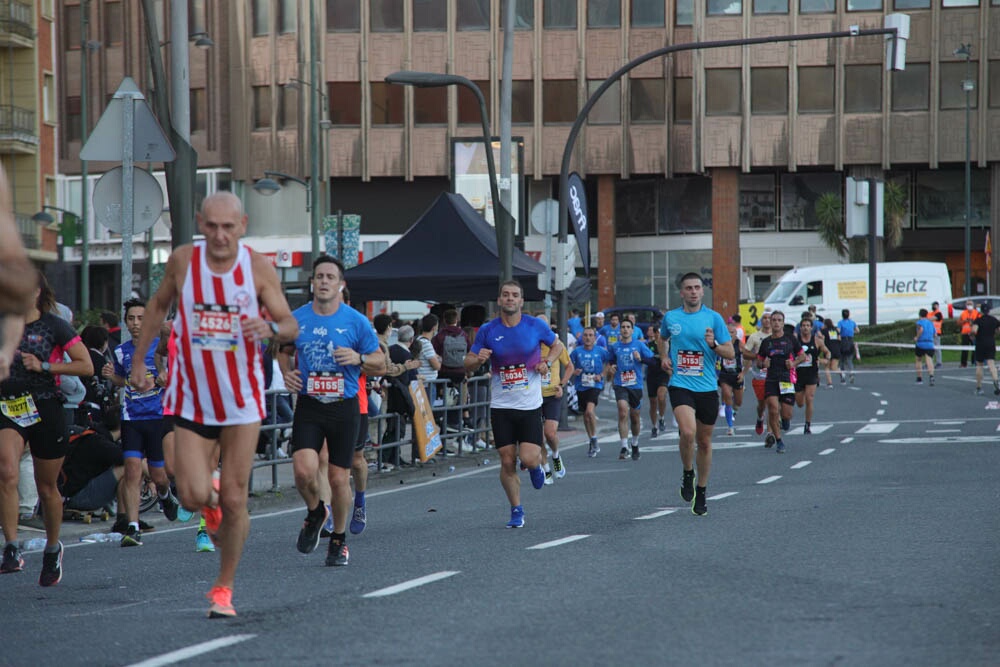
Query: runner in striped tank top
<point x="216" y="384"/>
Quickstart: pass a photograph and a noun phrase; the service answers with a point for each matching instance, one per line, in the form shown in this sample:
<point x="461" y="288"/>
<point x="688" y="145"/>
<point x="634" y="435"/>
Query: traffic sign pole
<point x="128" y="199"/>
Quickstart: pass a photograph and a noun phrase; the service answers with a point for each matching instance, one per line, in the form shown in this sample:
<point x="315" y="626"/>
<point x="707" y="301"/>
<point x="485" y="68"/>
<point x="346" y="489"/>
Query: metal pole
<point x="180" y="85"/>
<point x="128" y="199"/>
<point x="314" y="219"/>
<point x="506" y="271"/>
<point x="872" y="249"/>
<point x="84" y="194"/>
<point x="500" y="220"/>
<point x="967" y="84"/>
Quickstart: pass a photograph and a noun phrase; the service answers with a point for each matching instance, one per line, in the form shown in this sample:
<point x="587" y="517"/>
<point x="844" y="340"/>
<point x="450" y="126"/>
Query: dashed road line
<point x="880" y="412"/>
<point x="722" y="495"/>
<point x="877" y="427"/>
<point x="189" y="652"/>
<point x="884" y="402"/>
<point x="561" y="541"/>
<point x="846" y="440"/>
<point x="827" y="452"/>
<point x="768" y="480"/>
<point x="943" y="430"/>
<point x="412" y="583"/>
<point x="800" y="465"/>
<point x="655" y="515"/>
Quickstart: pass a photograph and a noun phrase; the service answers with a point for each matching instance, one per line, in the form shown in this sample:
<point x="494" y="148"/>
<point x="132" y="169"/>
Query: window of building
<point x="647" y="14"/>
<point x="288" y="17"/>
<point x="260" y="11"/>
<point x="49" y="98"/>
<point x="959" y="3"/>
<point x="559" y="14"/>
<point x="522" y="100"/>
<point x="769" y="90"/>
<point x="994" y="83"/>
<point x="684" y="12"/>
<point x="72" y="30"/>
<point x="73" y="128"/>
<point x="468" y="104"/>
<point x="261" y="107"/>
<point x="604" y="13"/>
<point x="386" y="15"/>
<point x="911" y="88"/>
<point x="953" y="76"/>
<point x="387" y="103"/>
<point x="559" y="101"/>
<point x="799" y="192"/>
<point x="683" y="99"/>
<point x="685" y="205"/>
<point x="430" y="106"/>
<point x="817" y="6"/>
<point x="343" y="15"/>
<point x="288" y="110"/>
<point x="862" y="88"/>
<point x="114" y="26"/>
<point x="758" y="203"/>
<point x="816" y="89"/>
<point x="770" y="6"/>
<point x="646" y="97"/>
<point x="472" y="14"/>
<point x="430" y="15"/>
<point x="345" y="102"/>
<point x="524" y="14"/>
<point x="607" y="110"/>
<point x="723" y="92"/>
<point x="724" y="7"/>
<point x="864" y="5"/>
<point x="940" y="198"/>
<point x="199" y="110"/>
<point x="911" y="4"/>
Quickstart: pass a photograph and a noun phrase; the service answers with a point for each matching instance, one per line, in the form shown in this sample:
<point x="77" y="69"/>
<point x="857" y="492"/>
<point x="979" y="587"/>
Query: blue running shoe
<point x="781" y="447"/>
<point x="183" y="514"/>
<point x="203" y="543"/>
<point x="516" y="517"/>
<point x="358" y="521"/>
<point x="537" y="477"/>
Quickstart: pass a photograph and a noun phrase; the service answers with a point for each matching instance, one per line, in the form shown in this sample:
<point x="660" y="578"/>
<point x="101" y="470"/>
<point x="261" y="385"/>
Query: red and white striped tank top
<point x="217" y="376"/>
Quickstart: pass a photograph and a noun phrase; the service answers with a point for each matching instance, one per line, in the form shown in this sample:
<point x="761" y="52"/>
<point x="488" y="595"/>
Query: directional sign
<point x="150" y="143"/>
<point x="147" y="203"/>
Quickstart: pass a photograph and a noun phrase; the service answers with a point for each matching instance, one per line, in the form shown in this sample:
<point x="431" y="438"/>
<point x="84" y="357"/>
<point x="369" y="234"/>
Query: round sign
<point x="147" y="201"/>
<point x="545" y="217"/>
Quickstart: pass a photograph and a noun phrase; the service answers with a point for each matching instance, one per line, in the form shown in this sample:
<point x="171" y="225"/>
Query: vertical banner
<point x="578" y="217"/>
<point x="343" y="230"/>
<point x="425" y="429"/>
<point x="331" y="235"/>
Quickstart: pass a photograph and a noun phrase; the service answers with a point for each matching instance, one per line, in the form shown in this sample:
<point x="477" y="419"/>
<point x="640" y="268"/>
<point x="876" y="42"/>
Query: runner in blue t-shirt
<point x="697" y="336"/>
<point x="924" y="345"/>
<point x="512" y="345"/>
<point x="847" y="328"/>
<point x="629" y="355"/>
<point x="335" y="345"/>
<point x="590" y="362"/>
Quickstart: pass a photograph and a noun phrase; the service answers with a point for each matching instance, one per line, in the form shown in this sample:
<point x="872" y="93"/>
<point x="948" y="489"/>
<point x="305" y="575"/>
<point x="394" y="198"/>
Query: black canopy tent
<point x="449" y="254"/>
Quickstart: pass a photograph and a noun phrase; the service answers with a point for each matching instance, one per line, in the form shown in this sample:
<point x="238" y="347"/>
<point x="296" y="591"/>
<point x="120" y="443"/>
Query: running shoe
<point x="132" y="537"/>
<point x="769" y="440"/>
<point x="51" y="567"/>
<point x="222" y="602"/>
<point x="170" y="506"/>
<point x="807" y="429"/>
<point x="309" y="535"/>
<point x="758" y="428"/>
<point x="593" y="450"/>
<point x="558" y="468"/>
<point x="654" y="432"/>
<point x="730" y="431"/>
<point x="829" y="385"/>
<point x="699" y="506"/>
<point x="623" y="454"/>
<point x="184" y="515"/>
<point x="548" y="478"/>
<point x="143" y="526"/>
<point x="843" y="379"/>
<point x="328" y="526"/>
<point x="786" y="424"/>
<point x="213" y="515"/>
<point x="635" y="452"/>
<point x="781" y="447"/>
<point x="660" y="425"/>
<point x="12" y="560"/>
<point x="337" y="555"/>
<point x="516" y="517"/>
<point x="687" y="486"/>
<point x="920" y="380"/>
<point x="979" y="391"/>
<point x="358" y="521"/>
<point x="932" y="384"/>
<point x="852" y="378"/>
<point x="996" y="387"/>
<point x="537" y="477"/>
<point x="202" y="543"/>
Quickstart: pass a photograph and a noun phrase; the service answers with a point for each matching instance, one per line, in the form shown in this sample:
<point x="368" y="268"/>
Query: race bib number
<point x="786" y="388"/>
<point x="690" y="363"/>
<point x="588" y="379"/>
<point x="215" y="328"/>
<point x="547" y="378"/>
<point x="729" y="365"/>
<point x="324" y="385"/>
<point x="808" y="362"/>
<point x="513" y="377"/>
<point x="627" y="378"/>
<point x="20" y="410"/>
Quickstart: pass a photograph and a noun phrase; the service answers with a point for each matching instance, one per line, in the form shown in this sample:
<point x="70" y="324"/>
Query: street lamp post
<point x="968" y="85"/>
<point x="267" y="186"/>
<point x="501" y="218"/>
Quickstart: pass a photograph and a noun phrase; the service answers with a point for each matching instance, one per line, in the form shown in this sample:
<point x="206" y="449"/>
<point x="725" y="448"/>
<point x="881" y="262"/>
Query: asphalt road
<point x="873" y="541"/>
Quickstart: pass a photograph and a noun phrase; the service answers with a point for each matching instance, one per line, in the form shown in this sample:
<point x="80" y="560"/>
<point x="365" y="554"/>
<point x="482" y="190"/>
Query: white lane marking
<point x="655" y="515"/>
<point x="884" y="402"/>
<point x="943" y="439"/>
<point x="875" y="393"/>
<point x="846" y="440"/>
<point x="722" y="495"/>
<point x="998" y="427"/>
<point x="825" y="452"/>
<point x="412" y="583"/>
<point x="943" y="430"/>
<point x="798" y="430"/>
<point x="801" y="464"/>
<point x="768" y="480"/>
<point x="880" y="412"/>
<point x="873" y="419"/>
<point x="192" y="651"/>
<point x="884" y="427"/>
<point x="953" y="423"/>
<point x="855" y="388"/>
<point x="559" y="542"/>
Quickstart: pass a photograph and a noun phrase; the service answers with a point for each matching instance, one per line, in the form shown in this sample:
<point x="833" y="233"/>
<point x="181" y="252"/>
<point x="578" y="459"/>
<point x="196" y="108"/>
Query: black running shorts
<point x="49" y="438"/>
<point x="143" y="439"/>
<point x="705" y="403"/>
<point x="551" y="408"/>
<point x="773" y="388"/>
<point x="584" y="396"/>
<point x="362" y="433"/>
<point x="631" y="394"/>
<point x="336" y="423"/>
<point x="511" y="426"/>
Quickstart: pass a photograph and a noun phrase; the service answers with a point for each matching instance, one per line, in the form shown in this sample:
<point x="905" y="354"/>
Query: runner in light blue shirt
<point x="629" y="356"/>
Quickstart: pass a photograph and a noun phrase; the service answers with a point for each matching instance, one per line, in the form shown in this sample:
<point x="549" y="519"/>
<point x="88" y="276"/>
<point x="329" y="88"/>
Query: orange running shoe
<point x="213" y="515"/>
<point x="222" y="602"/>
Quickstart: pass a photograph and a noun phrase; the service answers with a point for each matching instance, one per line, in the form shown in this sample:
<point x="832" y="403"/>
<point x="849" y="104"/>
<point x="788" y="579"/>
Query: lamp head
<point x="43" y="217"/>
<point x="964" y="50"/>
<point x="267" y="187"/>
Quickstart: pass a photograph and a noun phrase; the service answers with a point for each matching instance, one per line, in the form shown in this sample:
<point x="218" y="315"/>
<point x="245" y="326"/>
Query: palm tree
<point x="894" y="209"/>
<point x="830" y="215"/>
<point x="832" y="230"/>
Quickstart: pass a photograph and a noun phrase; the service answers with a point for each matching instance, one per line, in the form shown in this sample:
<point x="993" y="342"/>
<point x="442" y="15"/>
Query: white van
<point x="902" y="289"/>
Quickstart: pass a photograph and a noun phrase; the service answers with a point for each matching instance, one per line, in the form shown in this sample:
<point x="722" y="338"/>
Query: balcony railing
<point x="30" y="234"/>
<point x="17" y="124"/>
<point x="15" y="20"/>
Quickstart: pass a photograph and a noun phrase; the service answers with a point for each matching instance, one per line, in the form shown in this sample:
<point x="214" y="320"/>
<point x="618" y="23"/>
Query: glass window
<point x="817" y="6"/>
<point x="288" y="16"/>
<point x="723" y="92"/>
<point x="288" y="110"/>
<point x="386" y="15"/>
<point x="684" y="12"/>
<point x="72" y="30"/>
<point x="769" y="90"/>
<point x="430" y="106"/>
<point x="816" y="89"/>
<point x="559" y="101"/>
<point x="634" y="277"/>
<point x="559" y="13"/>
<point x="49" y="99"/>
<point x="343" y="15"/>
<point x="261" y="107"/>
<point x="799" y="193"/>
<point x="911" y="4"/>
<point x="647" y="14"/>
<point x="862" y="88"/>
<point x="647" y="101"/>
<point x="345" y="102"/>
<point x="959" y="3"/>
<point x="607" y="110"/>
<point x="113" y="23"/>
<point x="940" y="198"/>
<point x="199" y="110"/>
<point x="953" y="77"/>
<point x="994" y="83"/>
<point x="635" y="207"/>
<point x="469" y="111"/>
<point x="770" y="6"/>
<point x="73" y="128"/>
<point x="522" y="101"/>
<point x="430" y="15"/>
<point x="387" y="103"/>
<point x="864" y="5"/>
<point x="758" y="203"/>
<point x="685" y="205"/>
<point x="911" y="88"/>
<point x="683" y="99"/>
<point x="524" y="14"/>
<point x="260" y="16"/>
<point x="604" y="13"/>
<point x="472" y="14"/>
<point x="725" y="7"/>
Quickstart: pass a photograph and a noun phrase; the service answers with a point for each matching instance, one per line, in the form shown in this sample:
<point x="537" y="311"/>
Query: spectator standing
<point x="110" y="322"/>
<point x="451" y="345"/>
<point x="423" y="350"/>
<point x="965" y="321"/>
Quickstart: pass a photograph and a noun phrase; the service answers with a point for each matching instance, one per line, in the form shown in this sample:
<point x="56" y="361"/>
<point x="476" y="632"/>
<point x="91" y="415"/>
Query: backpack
<point x="454" y="349"/>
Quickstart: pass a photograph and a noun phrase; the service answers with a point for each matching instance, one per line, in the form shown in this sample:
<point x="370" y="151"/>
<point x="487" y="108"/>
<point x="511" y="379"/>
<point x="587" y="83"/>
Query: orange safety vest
<point x="967" y="318"/>
<point x="937" y="320"/>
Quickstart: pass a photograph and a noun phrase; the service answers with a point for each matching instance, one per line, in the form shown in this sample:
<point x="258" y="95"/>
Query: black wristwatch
<point x="713" y="345"/>
<point x="274" y="327"/>
<point x="46" y="367"/>
<point x="362" y="359"/>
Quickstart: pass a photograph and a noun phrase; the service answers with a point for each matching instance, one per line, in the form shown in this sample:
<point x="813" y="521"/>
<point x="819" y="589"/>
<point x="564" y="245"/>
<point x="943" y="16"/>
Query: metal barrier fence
<point x="462" y="413"/>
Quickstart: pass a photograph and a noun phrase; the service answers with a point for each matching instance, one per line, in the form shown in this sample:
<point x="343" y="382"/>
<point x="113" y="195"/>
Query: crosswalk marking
<point x="878" y="427"/>
<point x="815" y="428"/>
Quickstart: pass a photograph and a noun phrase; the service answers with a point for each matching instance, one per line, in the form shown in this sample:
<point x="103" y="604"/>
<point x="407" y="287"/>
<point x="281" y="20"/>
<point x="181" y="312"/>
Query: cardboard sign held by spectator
<point x="425" y="429"/>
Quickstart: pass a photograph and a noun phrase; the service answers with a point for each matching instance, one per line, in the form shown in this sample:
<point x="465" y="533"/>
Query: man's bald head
<point x="224" y="199"/>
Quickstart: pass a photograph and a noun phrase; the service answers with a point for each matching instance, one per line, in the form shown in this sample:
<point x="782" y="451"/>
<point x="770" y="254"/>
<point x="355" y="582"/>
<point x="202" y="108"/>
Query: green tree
<point x="832" y="229"/>
<point x="830" y="214"/>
